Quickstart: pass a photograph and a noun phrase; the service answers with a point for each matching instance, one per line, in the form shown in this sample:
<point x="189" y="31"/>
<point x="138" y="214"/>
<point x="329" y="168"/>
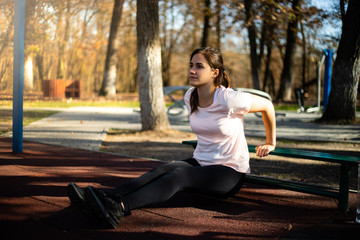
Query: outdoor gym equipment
<point x="18" y="76"/>
<point x="178" y="107"/>
<point x="327" y="57"/>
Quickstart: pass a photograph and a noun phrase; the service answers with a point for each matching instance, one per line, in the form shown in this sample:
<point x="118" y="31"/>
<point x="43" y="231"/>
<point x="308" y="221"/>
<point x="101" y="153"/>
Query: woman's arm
<point x="263" y="105"/>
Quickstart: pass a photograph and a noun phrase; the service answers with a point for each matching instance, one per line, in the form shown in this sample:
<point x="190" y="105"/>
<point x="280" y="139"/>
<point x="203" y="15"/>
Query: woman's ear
<point x="215" y="73"/>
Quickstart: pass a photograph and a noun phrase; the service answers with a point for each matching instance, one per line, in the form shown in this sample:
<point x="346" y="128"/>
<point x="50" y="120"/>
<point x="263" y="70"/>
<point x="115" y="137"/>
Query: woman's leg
<point x="216" y="179"/>
<point x="136" y="183"/>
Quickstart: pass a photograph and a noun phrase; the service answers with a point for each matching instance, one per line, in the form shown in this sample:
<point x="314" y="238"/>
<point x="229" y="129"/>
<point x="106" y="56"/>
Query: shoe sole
<point x="99" y="208"/>
<point x="75" y="196"/>
<point x="78" y="201"/>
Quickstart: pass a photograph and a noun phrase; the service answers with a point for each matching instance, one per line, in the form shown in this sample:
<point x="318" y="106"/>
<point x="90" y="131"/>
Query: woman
<point x="221" y="158"/>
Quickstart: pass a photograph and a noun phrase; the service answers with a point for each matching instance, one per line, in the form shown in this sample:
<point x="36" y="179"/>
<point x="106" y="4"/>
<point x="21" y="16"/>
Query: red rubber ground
<point x="33" y="203"/>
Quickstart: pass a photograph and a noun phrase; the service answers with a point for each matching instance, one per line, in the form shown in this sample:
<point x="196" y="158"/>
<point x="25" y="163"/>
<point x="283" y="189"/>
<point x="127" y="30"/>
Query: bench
<point x="341" y="193"/>
<point x="178" y="105"/>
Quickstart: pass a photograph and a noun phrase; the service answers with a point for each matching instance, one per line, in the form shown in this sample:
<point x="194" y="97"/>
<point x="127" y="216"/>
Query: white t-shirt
<point x="220" y="129"/>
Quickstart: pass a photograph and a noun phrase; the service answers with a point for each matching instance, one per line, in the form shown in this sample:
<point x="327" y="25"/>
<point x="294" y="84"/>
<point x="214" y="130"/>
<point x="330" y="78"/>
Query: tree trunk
<point x="253" y="46"/>
<point x="342" y="11"/>
<point x="7" y="35"/>
<point x="267" y="40"/>
<point x="267" y="67"/>
<point x="304" y="57"/>
<point x="286" y="79"/>
<point x="153" y="111"/>
<point x="29" y="42"/>
<point x="62" y="65"/>
<point x="346" y="71"/>
<point x="166" y="61"/>
<point x="28" y="73"/>
<point x="40" y="66"/>
<point x="218" y="24"/>
<point x="207" y="14"/>
<point x="108" y="87"/>
<point x="168" y="42"/>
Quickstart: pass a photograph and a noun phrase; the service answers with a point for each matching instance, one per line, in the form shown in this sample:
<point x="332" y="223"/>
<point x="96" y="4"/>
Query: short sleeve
<point x="237" y="101"/>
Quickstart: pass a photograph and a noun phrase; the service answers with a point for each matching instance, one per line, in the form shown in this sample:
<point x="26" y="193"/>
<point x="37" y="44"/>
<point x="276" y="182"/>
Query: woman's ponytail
<point x="225" y="80"/>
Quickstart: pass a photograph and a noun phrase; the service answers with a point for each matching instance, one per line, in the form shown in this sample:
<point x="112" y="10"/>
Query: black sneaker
<point x="76" y="195"/>
<point x="106" y="208"/>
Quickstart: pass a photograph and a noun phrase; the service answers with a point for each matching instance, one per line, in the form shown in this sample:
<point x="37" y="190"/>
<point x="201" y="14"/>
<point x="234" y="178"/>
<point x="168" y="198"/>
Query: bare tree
<point x="268" y="29"/>
<point x="153" y="111"/>
<point x="346" y="73"/>
<point x="170" y="38"/>
<point x="207" y="15"/>
<point x="250" y="24"/>
<point x="61" y="66"/>
<point x="218" y="24"/>
<point x="29" y="36"/>
<point x="286" y="79"/>
<point x="109" y="80"/>
<point x="5" y="40"/>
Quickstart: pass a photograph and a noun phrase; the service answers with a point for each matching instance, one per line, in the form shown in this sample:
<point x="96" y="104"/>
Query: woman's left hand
<point x="264" y="150"/>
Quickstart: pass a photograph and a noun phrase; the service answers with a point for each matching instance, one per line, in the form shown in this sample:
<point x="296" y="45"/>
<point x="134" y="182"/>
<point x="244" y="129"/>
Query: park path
<point x="86" y="127"/>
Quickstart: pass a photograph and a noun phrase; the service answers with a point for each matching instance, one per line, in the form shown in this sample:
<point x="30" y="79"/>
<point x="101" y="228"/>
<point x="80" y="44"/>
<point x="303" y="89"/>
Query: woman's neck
<point x="206" y="95"/>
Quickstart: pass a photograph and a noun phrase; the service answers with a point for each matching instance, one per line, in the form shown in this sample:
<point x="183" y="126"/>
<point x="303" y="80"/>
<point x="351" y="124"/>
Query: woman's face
<point x="200" y="72"/>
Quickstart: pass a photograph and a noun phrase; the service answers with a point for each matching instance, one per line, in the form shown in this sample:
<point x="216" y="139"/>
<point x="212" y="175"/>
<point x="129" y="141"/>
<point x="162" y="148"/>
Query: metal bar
<point x="312" y="155"/>
<point x="294" y="187"/>
<point x="307" y="184"/>
<point x="344" y="187"/>
<point x="18" y="76"/>
<point x="357" y="218"/>
<point x="319" y="82"/>
<point x="305" y="154"/>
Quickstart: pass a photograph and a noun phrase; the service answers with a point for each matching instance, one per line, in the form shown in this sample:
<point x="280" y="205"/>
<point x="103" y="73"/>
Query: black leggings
<point x="162" y="182"/>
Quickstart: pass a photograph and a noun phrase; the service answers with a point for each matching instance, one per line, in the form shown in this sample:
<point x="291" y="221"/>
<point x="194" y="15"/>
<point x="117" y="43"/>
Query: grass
<point x="286" y="107"/>
<point x="68" y="104"/>
<point x="29" y="116"/>
<point x="65" y="104"/>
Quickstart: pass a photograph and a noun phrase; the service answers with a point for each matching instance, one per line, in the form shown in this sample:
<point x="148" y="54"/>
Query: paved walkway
<point x="86" y="127"/>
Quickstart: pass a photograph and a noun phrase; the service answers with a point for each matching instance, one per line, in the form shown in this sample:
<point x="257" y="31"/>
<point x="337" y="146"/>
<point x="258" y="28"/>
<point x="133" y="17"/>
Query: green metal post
<point x="344" y="187"/>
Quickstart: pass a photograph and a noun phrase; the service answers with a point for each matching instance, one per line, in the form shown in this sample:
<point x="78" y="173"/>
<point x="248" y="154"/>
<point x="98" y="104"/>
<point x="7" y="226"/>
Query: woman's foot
<point x="76" y="195"/>
<point x="105" y="207"/>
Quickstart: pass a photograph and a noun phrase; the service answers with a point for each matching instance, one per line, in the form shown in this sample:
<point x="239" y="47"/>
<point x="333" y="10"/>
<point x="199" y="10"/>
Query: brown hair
<point x="215" y="60"/>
